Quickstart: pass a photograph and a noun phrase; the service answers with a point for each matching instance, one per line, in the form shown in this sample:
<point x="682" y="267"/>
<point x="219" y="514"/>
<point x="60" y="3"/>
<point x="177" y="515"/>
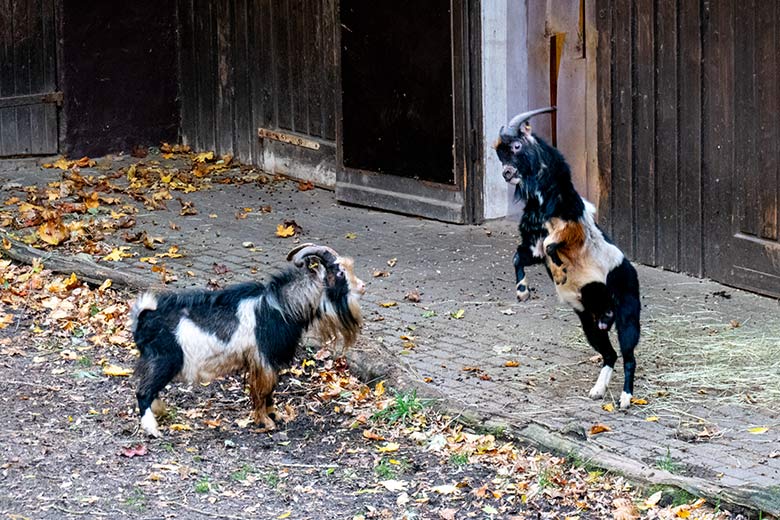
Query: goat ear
<point x="525" y="129"/>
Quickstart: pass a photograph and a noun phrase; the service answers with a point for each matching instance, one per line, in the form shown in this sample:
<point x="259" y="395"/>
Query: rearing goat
<point x="593" y="277"/>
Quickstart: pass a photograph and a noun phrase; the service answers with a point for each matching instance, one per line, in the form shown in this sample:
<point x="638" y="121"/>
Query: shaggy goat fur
<point x="592" y="275"/>
<point x="253" y="327"/>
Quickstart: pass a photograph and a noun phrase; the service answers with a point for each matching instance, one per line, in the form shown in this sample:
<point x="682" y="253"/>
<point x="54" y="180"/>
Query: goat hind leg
<point x="599" y="340"/>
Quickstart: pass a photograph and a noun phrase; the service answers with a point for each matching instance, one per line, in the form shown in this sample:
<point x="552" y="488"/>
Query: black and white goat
<point x="253" y="328"/>
<point x="594" y="277"/>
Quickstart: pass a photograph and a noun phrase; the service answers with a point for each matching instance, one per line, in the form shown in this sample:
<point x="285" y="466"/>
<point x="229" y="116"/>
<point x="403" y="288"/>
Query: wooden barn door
<point x="405" y="138"/>
<point x="688" y="136"/>
<point x="28" y="96"/>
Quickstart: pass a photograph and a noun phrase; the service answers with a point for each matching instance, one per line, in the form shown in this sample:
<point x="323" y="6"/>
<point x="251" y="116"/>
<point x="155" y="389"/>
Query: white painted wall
<point x="504" y="90"/>
<point x="516" y="77"/>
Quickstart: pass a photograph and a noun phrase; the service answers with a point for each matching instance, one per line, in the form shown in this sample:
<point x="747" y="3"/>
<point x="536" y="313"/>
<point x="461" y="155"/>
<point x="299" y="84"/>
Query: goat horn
<point x="297" y="254"/>
<point x="511" y="129"/>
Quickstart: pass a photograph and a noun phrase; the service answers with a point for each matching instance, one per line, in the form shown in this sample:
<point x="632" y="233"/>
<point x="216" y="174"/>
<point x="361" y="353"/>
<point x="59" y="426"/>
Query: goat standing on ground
<point x="252" y="327"/>
<point x="601" y="285"/>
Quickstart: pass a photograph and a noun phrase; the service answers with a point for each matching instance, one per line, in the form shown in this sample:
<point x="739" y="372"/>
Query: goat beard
<point x="341" y="319"/>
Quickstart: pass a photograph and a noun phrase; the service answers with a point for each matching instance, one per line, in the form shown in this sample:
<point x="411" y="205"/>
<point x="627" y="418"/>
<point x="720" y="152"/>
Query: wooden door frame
<point x="461" y="202"/>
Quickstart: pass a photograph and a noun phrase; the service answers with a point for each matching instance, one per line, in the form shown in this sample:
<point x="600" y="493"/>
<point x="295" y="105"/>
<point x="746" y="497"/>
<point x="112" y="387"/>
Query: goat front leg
<point x="262" y="380"/>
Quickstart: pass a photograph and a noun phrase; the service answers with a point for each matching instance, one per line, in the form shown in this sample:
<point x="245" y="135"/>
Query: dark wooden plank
<point x="257" y="73"/>
<point x="644" y="134"/>
<point x="315" y="73"/>
<point x="299" y="50"/>
<point x="225" y="114"/>
<point x="205" y="35"/>
<point x="282" y="65"/>
<point x="604" y="100"/>
<point x="37" y="114"/>
<point x="23" y="24"/>
<point x="268" y="67"/>
<point x="745" y="167"/>
<point x="766" y="115"/>
<point x="689" y="137"/>
<point x="622" y="110"/>
<point x="331" y="84"/>
<point x="718" y="135"/>
<point x="242" y="99"/>
<point x="50" y="136"/>
<point x="188" y="79"/>
<point x="668" y="207"/>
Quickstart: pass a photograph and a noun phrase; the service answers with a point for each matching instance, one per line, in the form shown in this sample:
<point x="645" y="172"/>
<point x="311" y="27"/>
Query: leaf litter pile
<point x="342" y="449"/>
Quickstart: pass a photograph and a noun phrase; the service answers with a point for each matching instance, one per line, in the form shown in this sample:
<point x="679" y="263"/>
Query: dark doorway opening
<point x="396" y="70"/>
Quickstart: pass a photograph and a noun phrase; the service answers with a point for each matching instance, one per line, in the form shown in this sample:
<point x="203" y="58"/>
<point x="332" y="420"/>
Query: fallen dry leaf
<point x="512" y="363"/>
<point x="652" y="418"/>
<point x="638" y="401"/>
<point x="599" y="428"/>
<point x="387" y="304"/>
<point x="624" y="509"/>
<point x="305" y="185"/>
<point x="608" y="407"/>
<point x="117" y="371"/>
<point x="373" y="436"/>
<point x="394" y="485"/>
<point x="139" y="450"/>
<point x="389" y="447"/>
<point x="284" y="231"/>
<point x="758" y="430"/>
<point x="392" y="262"/>
<point x="412" y="296"/>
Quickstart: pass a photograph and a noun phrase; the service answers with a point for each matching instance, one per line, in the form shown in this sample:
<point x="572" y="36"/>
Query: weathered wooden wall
<point x="28" y="124"/>
<point x="118" y="75"/>
<point x="247" y="64"/>
<point x="689" y="135"/>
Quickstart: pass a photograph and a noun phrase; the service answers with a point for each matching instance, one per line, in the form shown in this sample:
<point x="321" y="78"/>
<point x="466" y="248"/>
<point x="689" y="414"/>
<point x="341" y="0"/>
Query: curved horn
<point x="511" y="129"/>
<point x="297" y="254"/>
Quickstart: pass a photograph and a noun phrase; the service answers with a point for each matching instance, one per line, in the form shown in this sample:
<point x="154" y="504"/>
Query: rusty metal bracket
<point x="32" y="99"/>
<point x="264" y="133"/>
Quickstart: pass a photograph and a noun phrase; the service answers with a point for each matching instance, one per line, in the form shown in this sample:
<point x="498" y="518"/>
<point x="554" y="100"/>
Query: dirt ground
<point x="72" y="447"/>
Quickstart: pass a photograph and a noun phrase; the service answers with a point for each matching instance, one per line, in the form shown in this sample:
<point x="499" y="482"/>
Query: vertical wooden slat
<point x="747" y="196"/>
<point x="242" y="129"/>
<point x="622" y="143"/>
<point x="315" y="72"/>
<point x="225" y="76"/>
<point x="188" y="80"/>
<point x="689" y="136"/>
<point x="7" y="124"/>
<point x="604" y="93"/>
<point x="37" y="113"/>
<point x="259" y="73"/>
<point x="644" y="134"/>
<point x="49" y="140"/>
<point x="282" y="87"/>
<point x="22" y="23"/>
<point x="205" y="75"/>
<point x="299" y="50"/>
<point x="767" y="107"/>
<point x="718" y="133"/>
<point x="667" y="186"/>
<point x="330" y="69"/>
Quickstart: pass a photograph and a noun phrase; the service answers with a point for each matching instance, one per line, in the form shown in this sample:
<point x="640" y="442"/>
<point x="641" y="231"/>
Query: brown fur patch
<point x="570" y="237"/>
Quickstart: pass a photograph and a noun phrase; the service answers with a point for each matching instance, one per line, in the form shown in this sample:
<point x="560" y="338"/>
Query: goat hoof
<point x="523" y="295"/>
<point x="597" y="392"/>
<point x="625" y="400"/>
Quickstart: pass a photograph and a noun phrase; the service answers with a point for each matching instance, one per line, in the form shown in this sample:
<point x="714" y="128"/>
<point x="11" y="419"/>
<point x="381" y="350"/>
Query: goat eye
<point x="516" y="146"/>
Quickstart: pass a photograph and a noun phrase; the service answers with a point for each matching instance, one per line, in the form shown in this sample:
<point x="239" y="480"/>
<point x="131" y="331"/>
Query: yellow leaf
<point x="458" y="314"/>
<point x="53" y="232"/>
<point x="204" y="156"/>
<point x="638" y="401"/>
<point x="512" y="363"/>
<point x="105" y="285"/>
<point x="388" y="304"/>
<point x="117" y="254"/>
<point x="379" y="389"/>
<point x="6" y="320"/>
<point x="652" y="418"/>
<point x="166" y="179"/>
<point x="284" y="231"/>
<point x="389" y="447"/>
<point x="683" y="513"/>
<point x="608" y="407"/>
<point x="350" y="236"/>
<point x="758" y="430"/>
<point x="180" y="427"/>
<point x="116" y="371"/>
<point x="285" y="515"/>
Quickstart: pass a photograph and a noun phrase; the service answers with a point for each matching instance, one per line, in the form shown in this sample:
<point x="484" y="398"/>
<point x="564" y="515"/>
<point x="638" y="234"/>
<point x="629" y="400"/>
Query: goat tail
<point x="146" y="302"/>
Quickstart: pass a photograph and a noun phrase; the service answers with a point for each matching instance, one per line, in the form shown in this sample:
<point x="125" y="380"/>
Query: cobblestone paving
<point x="468" y="268"/>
